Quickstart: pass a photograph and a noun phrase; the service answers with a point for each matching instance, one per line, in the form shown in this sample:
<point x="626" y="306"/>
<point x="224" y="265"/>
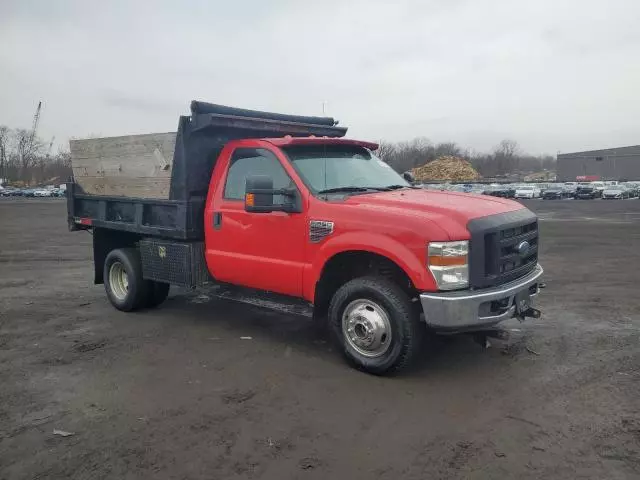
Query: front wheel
<point x="376" y="324"/>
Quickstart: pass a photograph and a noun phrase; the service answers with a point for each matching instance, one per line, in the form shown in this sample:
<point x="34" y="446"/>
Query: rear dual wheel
<point x="123" y="282"/>
<point x="157" y="293"/>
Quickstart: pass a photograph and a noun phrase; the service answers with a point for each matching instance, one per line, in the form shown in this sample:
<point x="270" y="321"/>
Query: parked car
<point x="29" y="192"/>
<point x="13" y="192"/>
<point x="588" y="193"/>
<point x="478" y="189"/>
<point x="433" y="186"/>
<point x="633" y="188"/>
<point x="502" y="191"/>
<point x="556" y="193"/>
<point x="527" y="191"/>
<point x="42" y="192"/>
<point x="615" y="192"/>
<point x="598" y="185"/>
<point x="543" y="187"/>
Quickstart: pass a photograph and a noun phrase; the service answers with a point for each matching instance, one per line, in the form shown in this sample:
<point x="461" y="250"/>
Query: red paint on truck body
<point x="272" y="251"/>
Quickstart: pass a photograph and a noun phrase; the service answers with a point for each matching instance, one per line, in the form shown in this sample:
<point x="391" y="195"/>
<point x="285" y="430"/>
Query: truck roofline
<point x="289" y="140"/>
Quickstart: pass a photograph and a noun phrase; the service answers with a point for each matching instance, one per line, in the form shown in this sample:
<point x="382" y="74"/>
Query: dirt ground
<point x="180" y="393"/>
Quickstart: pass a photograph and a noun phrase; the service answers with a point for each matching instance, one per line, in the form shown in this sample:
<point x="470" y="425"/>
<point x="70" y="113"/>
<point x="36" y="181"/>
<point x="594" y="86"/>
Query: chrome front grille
<point x="517" y="251"/>
<point x="503" y="248"/>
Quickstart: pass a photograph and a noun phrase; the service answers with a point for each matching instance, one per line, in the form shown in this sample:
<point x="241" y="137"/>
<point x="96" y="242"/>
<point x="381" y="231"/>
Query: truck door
<point x="258" y="250"/>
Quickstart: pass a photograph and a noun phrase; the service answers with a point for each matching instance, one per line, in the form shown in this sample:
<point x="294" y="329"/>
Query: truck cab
<point x="324" y="220"/>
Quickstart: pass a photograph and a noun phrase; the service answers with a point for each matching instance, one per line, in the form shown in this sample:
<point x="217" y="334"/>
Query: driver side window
<point x="254" y="161"/>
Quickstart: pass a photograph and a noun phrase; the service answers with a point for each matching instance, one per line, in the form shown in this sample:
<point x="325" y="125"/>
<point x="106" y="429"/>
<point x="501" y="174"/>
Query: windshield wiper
<point x="353" y="189"/>
<point x="389" y="188"/>
<point x="347" y="189"/>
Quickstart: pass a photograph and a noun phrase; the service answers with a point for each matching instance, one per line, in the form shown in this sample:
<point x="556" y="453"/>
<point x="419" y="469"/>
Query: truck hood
<point x="441" y="207"/>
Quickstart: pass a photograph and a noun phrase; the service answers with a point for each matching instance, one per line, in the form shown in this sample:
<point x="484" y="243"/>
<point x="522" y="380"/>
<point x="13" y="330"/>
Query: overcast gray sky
<point x="551" y="74"/>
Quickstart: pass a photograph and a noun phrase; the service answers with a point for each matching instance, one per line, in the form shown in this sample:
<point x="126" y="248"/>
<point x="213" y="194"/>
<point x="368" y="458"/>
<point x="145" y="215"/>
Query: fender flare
<point x="376" y="243"/>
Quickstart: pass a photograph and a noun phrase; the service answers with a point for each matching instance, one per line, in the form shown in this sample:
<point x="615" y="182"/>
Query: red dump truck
<point x="285" y="204"/>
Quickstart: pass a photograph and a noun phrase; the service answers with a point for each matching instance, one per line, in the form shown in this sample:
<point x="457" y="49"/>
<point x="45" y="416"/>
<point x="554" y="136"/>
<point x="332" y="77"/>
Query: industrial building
<point x="609" y="164"/>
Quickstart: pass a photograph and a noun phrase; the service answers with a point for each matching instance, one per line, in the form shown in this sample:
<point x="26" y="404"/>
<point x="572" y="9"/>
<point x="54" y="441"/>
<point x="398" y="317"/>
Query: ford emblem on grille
<point x="523" y="248"/>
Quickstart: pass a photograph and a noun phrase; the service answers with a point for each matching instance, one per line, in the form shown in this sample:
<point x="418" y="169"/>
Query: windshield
<point x="328" y="167"/>
<point x="526" y="188"/>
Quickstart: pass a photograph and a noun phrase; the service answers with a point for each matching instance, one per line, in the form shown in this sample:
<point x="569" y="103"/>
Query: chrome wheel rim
<point x="119" y="281"/>
<point x="366" y="327"/>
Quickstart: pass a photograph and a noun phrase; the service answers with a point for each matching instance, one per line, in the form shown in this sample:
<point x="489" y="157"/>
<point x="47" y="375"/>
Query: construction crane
<point x="34" y="127"/>
<point x="50" y="146"/>
<point x="26" y="142"/>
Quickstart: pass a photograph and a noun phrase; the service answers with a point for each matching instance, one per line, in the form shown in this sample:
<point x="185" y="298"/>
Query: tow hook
<point x="530" y="312"/>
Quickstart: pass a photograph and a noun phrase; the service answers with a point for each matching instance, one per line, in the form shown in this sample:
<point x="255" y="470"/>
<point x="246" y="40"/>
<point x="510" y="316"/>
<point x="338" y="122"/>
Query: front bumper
<point x="477" y="309"/>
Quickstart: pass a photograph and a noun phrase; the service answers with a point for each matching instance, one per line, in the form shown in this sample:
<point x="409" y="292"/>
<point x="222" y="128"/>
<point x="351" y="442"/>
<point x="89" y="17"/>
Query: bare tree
<point x="28" y="148"/>
<point x="407" y="155"/>
<point x="25" y="159"/>
<point x="386" y="151"/>
<point x="448" y="149"/>
<point x="508" y="148"/>
<point x="4" y="145"/>
<point x="403" y="156"/>
<point x="506" y="156"/>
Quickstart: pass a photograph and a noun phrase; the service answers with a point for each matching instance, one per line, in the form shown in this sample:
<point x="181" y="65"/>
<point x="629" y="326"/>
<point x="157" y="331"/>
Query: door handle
<point x="217" y="220"/>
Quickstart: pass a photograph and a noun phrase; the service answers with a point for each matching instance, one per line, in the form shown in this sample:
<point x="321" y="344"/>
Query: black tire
<point x="404" y="319"/>
<point x="157" y="293"/>
<point x="135" y="294"/>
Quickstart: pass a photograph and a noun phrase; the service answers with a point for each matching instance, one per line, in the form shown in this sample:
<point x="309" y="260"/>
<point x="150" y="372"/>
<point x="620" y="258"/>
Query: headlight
<point x="449" y="264"/>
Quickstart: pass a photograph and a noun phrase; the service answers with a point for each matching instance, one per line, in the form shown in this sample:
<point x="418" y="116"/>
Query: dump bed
<point x="156" y="184"/>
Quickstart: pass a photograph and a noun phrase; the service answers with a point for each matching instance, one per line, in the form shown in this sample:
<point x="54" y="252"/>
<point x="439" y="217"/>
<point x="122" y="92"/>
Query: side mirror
<point x="259" y="196"/>
<point x="408" y="176"/>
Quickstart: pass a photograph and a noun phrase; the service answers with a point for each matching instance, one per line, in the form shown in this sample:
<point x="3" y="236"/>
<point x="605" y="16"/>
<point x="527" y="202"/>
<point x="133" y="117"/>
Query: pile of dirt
<point x="446" y="168"/>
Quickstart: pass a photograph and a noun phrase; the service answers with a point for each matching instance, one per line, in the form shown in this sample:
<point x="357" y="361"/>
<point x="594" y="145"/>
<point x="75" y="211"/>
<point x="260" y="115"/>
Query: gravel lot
<point x="178" y="393"/>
